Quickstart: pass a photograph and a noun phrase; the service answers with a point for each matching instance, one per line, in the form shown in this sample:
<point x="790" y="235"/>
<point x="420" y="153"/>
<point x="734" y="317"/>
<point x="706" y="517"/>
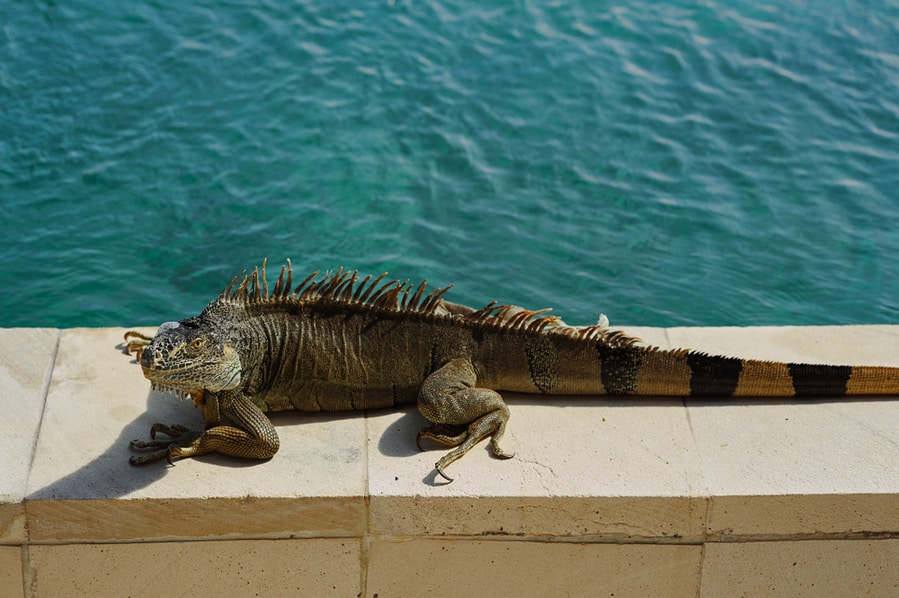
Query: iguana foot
<point x="255" y="439"/>
<point x="181" y="437"/>
<point x="492" y="425"/>
<point x="450" y="398"/>
<point x="135" y="342"/>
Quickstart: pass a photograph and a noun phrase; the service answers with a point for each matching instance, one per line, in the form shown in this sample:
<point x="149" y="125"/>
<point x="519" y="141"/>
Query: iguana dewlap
<point x="340" y="344"/>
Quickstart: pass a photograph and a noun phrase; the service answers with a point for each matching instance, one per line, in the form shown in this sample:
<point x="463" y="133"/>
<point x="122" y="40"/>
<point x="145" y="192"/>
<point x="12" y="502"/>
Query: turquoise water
<point x="667" y="163"/>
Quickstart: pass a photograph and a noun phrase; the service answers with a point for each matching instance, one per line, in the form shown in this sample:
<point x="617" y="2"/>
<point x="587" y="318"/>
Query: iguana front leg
<point x="135" y="342"/>
<point x="448" y="397"/>
<point x="252" y="435"/>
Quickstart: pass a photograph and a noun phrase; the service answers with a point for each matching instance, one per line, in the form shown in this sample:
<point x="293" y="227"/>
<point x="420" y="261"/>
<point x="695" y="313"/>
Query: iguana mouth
<point x="227" y="378"/>
<point x="170" y="390"/>
<point x="171" y="365"/>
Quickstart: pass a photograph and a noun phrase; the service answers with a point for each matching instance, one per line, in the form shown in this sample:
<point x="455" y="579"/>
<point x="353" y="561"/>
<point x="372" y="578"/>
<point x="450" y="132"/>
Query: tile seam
<point x="48" y="379"/>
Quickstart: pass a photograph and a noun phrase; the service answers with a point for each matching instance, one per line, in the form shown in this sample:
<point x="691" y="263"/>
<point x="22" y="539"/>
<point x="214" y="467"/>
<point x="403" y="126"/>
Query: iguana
<point x="340" y="343"/>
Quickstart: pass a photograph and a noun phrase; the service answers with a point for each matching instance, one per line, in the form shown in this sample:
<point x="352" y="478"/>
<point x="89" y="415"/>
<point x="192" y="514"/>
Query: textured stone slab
<point x="802" y="516"/>
<point x="11" y="571"/>
<point x="26" y="360"/>
<point x="810" y="568"/>
<point x="194" y="519"/>
<point x="588" y="519"/>
<point x="583" y="467"/>
<point x="323" y="567"/>
<point x="490" y="568"/>
<point x="82" y="486"/>
<point x="591" y="468"/>
<point x="786" y="467"/>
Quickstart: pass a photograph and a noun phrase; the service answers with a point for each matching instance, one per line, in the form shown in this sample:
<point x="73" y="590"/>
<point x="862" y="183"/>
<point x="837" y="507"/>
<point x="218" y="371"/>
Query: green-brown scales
<point x="340" y="344"/>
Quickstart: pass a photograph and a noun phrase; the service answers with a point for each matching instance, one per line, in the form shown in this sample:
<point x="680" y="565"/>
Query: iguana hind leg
<point x="448" y="397"/>
<point x="252" y="436"/>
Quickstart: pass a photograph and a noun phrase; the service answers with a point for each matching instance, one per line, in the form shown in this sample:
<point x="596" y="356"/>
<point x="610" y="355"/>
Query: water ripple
<point x="663" y="162"/>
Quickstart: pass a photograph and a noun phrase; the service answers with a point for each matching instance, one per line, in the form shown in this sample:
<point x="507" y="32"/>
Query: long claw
<point x="498" y="452"/>
<point x="439" y="467"/>
<point x="441" y="435"/>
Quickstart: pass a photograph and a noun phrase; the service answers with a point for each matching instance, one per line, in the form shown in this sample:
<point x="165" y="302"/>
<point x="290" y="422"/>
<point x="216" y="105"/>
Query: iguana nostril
<point x="149" y="359"/>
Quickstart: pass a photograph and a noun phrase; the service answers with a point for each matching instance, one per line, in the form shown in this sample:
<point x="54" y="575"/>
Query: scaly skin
<point x="338" y="344"/>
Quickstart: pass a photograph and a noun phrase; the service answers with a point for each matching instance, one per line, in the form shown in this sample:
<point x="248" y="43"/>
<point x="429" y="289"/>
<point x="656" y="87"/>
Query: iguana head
<point x="190" y="355"/>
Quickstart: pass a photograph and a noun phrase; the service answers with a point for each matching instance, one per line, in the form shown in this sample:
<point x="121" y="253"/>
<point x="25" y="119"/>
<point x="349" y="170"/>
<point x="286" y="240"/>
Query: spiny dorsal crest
<point x="511" y="317"/>
<point x="342" y="286"/>
<point x="345" y="287"/>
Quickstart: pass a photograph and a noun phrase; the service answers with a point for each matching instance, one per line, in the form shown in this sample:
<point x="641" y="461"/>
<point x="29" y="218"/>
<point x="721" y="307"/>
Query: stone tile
<point x="197" y="518"/>
<point x="11" y="571"/>
<point x="583" y="467"/>
<point x="26" y="360"/>
<point x="798" y="467"/>
<point x="512" y="568"/>
<point x="12" y="523"/>
<point x="588" y="519"/>
<point x="318" y="567"/>
<point x="83" y="488"/>
<point x="808" y="568"/>
<point x="828" y="469"/>
<point x="802" y="515"/>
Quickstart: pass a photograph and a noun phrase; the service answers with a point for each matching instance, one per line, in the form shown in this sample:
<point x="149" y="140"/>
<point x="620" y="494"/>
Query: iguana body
<point x="339" y="344"/>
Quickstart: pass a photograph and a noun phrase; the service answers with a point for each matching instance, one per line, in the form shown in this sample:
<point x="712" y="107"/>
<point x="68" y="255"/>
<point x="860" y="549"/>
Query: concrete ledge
<point x="664" y="496"/>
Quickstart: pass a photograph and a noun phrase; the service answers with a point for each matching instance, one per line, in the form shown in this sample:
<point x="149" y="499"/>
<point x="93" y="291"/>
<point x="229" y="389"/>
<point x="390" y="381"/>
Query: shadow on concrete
<point x="110" y="475"/>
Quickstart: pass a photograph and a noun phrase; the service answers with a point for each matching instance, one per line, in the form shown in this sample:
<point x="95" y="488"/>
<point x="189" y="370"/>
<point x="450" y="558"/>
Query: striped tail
<point x="689" y="373"/>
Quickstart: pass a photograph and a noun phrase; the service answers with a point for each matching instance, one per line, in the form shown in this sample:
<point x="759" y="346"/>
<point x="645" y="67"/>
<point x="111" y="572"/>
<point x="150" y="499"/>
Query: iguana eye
<point x="197" y="344"/>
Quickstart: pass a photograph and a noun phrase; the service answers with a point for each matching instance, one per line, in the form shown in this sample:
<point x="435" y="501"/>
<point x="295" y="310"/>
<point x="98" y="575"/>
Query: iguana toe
<point x="149" y="458"/>
<point x="438" y="433"/>
<point x="498" y="452"/>
<point x="135" y="342"/>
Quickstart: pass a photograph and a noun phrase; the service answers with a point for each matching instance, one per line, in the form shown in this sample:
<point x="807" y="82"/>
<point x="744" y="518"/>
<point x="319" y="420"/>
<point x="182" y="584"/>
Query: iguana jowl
<point x="340" y="344"/>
